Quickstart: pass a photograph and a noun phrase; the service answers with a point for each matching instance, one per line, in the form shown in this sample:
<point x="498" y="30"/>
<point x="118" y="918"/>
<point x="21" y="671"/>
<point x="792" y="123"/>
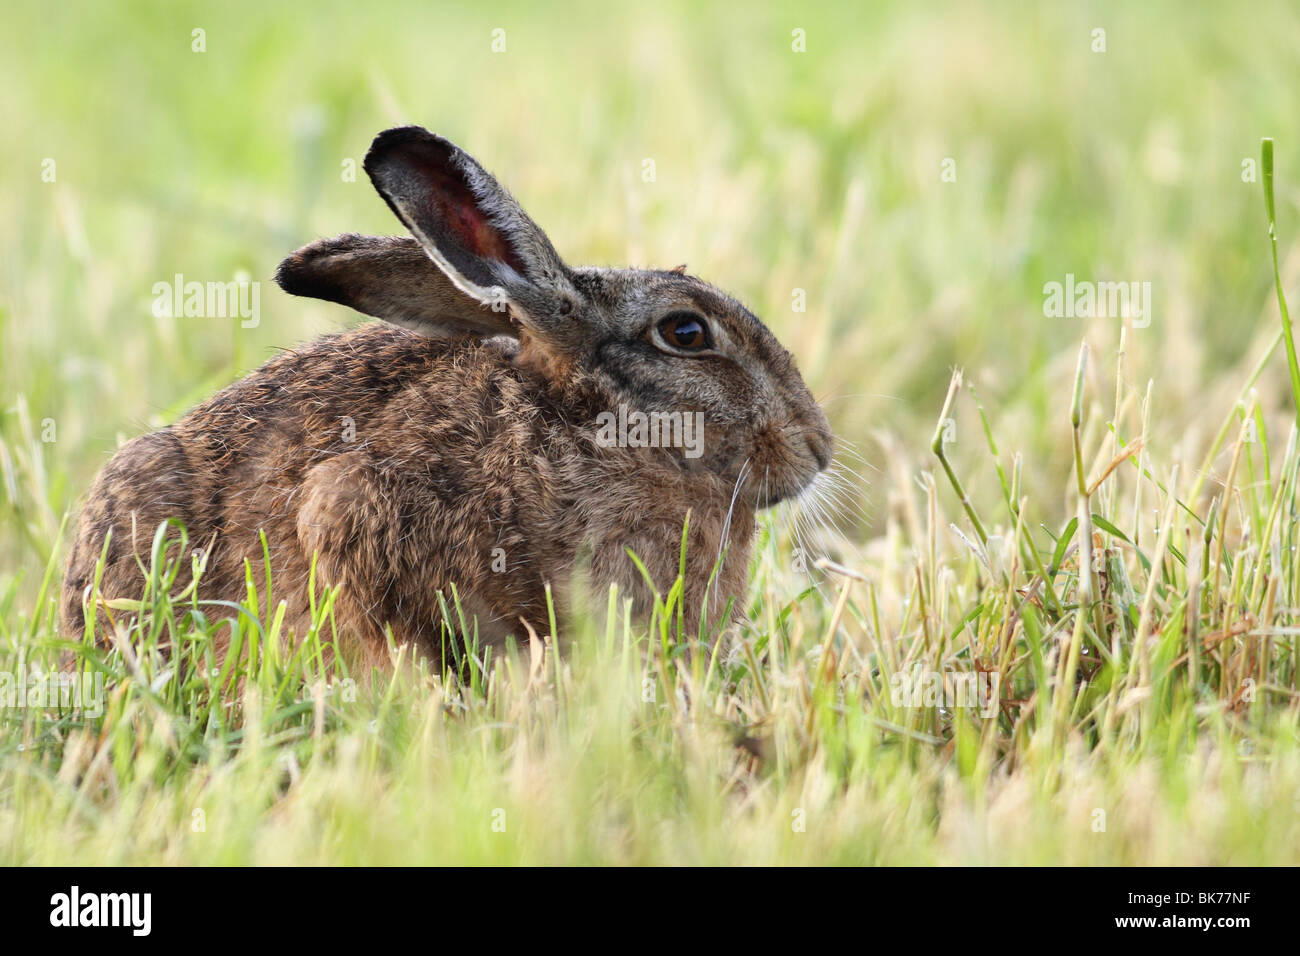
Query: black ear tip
<point x="407" y="141"/>
<point x="299" y="274"/>
<point x="291" y="275"/>
<point x="401" y="134"/>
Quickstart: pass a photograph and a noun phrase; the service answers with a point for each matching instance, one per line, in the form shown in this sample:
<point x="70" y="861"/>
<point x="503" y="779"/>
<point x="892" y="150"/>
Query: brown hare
<point x="491" y="433"/>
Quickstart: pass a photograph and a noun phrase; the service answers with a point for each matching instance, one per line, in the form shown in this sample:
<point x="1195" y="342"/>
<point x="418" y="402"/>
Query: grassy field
<point x="1106" y="538"/>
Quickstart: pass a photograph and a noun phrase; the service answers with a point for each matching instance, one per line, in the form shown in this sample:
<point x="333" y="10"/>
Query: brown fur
<point x="400" y="462"/>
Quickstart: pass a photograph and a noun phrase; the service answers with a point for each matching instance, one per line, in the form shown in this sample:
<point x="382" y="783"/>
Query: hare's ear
<point x="391" y="278"/>
<point x="468" y="224"/>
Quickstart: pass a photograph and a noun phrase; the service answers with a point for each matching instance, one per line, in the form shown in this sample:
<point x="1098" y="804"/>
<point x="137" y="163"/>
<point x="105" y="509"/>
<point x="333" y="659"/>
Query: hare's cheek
<point x="770" y="447"/>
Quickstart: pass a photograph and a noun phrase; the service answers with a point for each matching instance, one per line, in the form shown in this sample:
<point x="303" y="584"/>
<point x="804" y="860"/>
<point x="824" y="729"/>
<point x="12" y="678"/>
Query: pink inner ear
<point x="468" y="224"/>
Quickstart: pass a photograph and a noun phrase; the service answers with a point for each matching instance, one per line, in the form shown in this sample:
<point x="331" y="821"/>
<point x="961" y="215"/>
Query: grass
<point x="1103" y="526"/>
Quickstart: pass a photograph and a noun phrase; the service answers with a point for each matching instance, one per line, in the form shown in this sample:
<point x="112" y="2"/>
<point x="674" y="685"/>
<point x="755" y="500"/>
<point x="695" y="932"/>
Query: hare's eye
<point x="685" y="330"/>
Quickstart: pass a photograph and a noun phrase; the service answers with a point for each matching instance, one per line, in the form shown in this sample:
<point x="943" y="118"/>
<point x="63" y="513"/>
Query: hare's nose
<point x="821" y="445"/>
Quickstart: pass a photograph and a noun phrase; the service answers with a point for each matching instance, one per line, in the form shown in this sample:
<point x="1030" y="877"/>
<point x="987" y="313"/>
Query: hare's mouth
<point x="786" y="459"/>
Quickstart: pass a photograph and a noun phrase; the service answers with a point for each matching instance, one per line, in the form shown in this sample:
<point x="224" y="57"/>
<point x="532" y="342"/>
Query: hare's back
<point x="375" y="390"/>
<point x="231" y="469"/>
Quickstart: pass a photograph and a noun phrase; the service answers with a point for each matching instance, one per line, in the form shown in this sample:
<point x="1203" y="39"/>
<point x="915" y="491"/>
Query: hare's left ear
<point x="469" y="225"/>
<point x="391" y="278"/>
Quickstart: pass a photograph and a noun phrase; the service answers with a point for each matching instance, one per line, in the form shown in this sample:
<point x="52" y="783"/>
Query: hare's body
<point x="473" y="460"/>
<point x="321" y="451"/>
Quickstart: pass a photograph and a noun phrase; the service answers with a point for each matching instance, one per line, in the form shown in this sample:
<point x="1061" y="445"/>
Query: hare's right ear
<point x="391" y="278"/>
<point x="472" y="228"/>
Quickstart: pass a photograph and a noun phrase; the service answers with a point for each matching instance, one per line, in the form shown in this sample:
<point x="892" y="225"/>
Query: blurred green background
<point x="775" y="170"/>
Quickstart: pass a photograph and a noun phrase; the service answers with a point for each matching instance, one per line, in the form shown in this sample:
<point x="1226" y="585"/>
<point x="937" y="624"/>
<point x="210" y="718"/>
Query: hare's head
<point x="661" y="351"/>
